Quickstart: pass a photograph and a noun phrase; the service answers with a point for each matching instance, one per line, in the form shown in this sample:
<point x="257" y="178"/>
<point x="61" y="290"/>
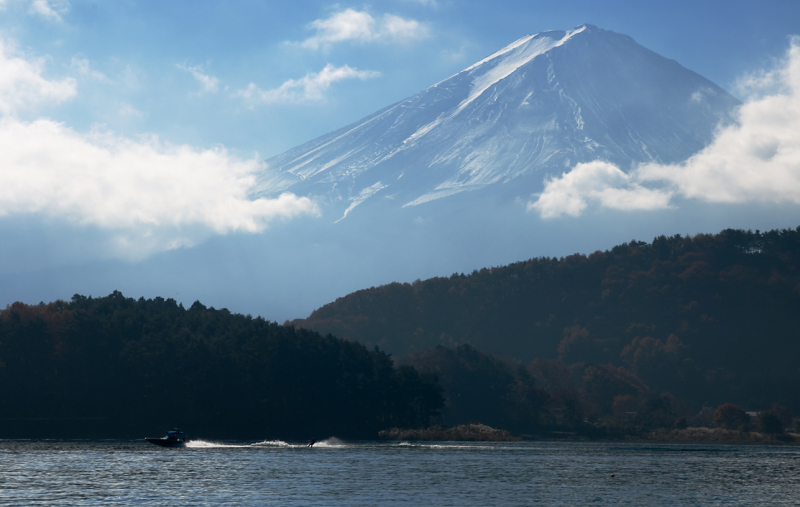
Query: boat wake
<point x="329" y="443"/>
<point x="332" y="442"/>
<point x="335" y="443"/>
<point x="278" y="443"/>
<point x="204" y="444"/>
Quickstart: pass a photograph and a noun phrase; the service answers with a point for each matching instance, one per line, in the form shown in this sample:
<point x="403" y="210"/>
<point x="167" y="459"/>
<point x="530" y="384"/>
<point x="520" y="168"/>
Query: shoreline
<point x="692" y="435"/>
<point x="721" y="436"/>
<point x="461" y="433"/>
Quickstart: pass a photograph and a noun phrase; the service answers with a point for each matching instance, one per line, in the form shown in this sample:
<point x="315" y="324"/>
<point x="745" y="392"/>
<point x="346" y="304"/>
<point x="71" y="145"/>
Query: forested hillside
<point x="709" y="318"/>
<point x="631" y="339"/>
<point x="114" y="366"/>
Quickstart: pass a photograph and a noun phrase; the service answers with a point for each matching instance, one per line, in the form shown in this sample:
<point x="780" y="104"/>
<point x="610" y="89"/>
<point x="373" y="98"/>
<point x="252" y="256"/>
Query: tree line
<point x="548" y="397"/>
<point x="115" y="366"/>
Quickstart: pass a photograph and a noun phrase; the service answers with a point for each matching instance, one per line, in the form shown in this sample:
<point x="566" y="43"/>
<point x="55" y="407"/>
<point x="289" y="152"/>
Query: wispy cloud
<point x="48" y="9"/>
<point x="454" y="55"/>
<point x="755" y="160"/>
<point x="128" y="111"/>
<point x="22" y="86"/>
<point x="360" y="26"/>
<point x="310" y="88"/>
<point x="208" y="82"/>
<point x="82" y="67"/>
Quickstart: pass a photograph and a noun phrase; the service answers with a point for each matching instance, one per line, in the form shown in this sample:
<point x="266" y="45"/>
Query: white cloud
<point x="402" y="29"/>
<point x="209" y="83"/>
<point x="342" y="26"/>
<point x="764" y="81"/>
<point x="151" y="196"/>
<point x="598" y="183"/>
<point x="22" y="85"/>
<point x="310" y="88"/>
<point x="360" y="26"/>
<point x="755" y="160"/>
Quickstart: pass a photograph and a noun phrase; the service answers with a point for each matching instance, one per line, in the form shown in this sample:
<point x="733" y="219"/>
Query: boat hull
<point x="165" y="442"/>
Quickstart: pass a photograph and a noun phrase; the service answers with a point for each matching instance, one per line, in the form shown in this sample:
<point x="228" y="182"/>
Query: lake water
<point x="362" y="473"/>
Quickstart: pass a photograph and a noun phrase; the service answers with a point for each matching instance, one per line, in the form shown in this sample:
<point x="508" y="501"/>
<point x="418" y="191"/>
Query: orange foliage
<point x="55" y="315"/>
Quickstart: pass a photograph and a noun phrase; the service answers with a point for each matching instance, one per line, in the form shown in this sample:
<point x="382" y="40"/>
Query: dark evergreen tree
<point x="141" y="366"/>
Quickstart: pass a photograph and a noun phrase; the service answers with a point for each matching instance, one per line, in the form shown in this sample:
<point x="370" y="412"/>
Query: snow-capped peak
<point x="506" y="61"/>
<point x="520" y="42"/>
<point x="538" y="106"/>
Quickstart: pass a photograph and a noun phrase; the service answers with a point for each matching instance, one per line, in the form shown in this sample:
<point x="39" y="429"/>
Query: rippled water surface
<point x="363" y="473"/>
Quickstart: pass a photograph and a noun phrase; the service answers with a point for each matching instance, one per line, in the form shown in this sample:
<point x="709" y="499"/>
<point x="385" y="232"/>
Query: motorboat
<point x="174" y="438"/>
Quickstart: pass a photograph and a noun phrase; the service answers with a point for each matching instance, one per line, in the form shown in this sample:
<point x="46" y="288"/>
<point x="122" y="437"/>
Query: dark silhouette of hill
<point x="115" y="367"/>
<point x="709" y="318"/>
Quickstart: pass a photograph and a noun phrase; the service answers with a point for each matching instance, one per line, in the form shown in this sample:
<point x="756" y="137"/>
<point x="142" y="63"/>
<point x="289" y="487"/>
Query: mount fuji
<point x="535" y="108"/>
<point x="441" y="181"/>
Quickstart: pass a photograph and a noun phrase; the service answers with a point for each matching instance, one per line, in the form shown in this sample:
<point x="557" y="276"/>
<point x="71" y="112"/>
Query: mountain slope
<point x="536" y="107"/>
<point x="710" y="315"/>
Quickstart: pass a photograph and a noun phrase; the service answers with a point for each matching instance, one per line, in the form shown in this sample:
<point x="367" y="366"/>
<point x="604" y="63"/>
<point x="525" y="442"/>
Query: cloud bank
<point x="150" y="195"/>
<point x="147" y="195"/>
<point x="756" y="160"/>
<point x="310" y="88"/>
<point x="360" y="26"/>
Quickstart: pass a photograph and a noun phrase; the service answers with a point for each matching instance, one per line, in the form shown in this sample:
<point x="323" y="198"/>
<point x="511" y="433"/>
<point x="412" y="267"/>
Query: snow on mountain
<point x="538" y="106"/>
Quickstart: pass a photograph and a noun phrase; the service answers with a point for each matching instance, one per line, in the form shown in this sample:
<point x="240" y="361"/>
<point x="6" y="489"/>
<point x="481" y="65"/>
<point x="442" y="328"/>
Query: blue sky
<point x="130" y="130"/>
<point x="138" y="65"/>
